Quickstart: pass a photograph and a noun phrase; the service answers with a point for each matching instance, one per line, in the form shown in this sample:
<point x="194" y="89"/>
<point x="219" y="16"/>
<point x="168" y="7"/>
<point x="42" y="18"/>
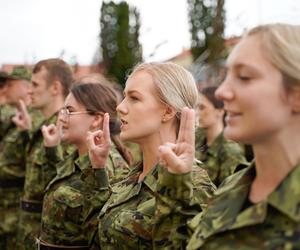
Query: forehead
<point x="248" y="51"/>
<point x="204" y="100"/>
<point x="141" y="82"/>
<point x="11" y="83"/>
<point x="40" y="75"/>
<point x="71" y="101"/>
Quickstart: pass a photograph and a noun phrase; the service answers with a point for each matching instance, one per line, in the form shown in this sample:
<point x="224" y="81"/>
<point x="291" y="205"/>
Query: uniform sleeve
<point x="117" y="168"/>
<point x="180" y="198"/>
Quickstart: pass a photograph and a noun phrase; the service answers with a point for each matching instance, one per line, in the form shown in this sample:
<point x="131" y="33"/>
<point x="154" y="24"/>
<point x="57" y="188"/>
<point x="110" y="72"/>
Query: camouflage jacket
<point x="232" y="222"/>
<point x="221" y="158"/>
<point x="12" y="173"/>
<point x="127" y="219"/>
<point x="75" y="196"/>
<point x="6" y="112"/>
<point x="40" y="164"/>
<point x="13" y="153"/>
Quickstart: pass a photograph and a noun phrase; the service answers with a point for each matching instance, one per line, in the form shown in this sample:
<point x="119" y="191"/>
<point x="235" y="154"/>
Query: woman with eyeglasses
<point x="258" y="207"/>
<point x="72" y="200"/>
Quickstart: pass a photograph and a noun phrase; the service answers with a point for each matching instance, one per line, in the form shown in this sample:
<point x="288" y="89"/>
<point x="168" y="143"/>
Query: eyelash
<point x="134" y="98"/>
<point x="244" y="78"/>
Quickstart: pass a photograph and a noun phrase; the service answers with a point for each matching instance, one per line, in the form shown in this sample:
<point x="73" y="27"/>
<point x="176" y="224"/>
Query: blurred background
<point x="110" y="37"/>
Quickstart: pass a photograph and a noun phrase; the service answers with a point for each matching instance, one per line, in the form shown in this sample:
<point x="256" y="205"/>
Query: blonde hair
<point x="175" y="86"/>
<point x="282" y="45"/>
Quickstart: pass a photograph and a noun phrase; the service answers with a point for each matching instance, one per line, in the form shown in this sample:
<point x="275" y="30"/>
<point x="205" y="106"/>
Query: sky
<point x="32" y="30"/>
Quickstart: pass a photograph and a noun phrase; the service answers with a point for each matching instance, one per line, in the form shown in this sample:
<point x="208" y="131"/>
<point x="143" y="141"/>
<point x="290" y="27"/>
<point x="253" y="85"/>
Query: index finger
<point x="22" y="106"/>
<point x="187" y="126"/>
<point x="105" y="129"/>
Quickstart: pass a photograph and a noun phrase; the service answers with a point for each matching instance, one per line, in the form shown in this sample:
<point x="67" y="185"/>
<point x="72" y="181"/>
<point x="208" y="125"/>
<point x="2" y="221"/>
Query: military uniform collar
<point x="213" y="149"/>
<point x="286" y="197"/>
<point x="130" y="187"/>
<point x="83" y="162"/>
<point x="151" y="178"/>
<point x="228" y="213"/>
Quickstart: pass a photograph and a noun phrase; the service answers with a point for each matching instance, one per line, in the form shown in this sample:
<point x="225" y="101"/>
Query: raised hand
<point x="52" y="134"/>
<point x="98" y="143"/>
<point x="22" y="118"/>
<point x="178" y="158"/>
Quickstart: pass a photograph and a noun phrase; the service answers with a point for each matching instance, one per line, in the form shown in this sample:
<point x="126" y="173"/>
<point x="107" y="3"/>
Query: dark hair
<point x="101" y="98"/>
<point x="58" y="70"/>
<point x="209" y="93"/>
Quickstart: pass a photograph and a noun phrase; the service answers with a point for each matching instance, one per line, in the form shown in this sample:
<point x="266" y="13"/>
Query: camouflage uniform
<point x="74" y="198"/>
<point x="6" y="113"/>
<point x="40" y="169"/>
<point x="12" y="173"/>
<point x="232" y="222"/>
<point x="126" y="220"/>
<point x="221" y="159"/>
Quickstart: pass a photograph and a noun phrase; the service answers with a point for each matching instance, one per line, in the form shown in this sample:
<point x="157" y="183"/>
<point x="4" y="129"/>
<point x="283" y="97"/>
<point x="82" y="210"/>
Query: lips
<point x="123" y="123"/>
<point x="232" y="116"/>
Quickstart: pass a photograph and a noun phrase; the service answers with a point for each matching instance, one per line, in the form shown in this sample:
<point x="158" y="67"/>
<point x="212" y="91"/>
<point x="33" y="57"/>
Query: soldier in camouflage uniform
<point x="126" y="220"/>
<point x="221" y="157"/>
<point x="51" y="81"/>
<point x="74" y="197"/>
<point x="258" y="207"/>
<point x="4" y="112"/>
<point x="12" y="156"/>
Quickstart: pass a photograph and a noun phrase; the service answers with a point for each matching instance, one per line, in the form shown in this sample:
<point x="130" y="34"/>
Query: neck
<point x="149" y="147"/>
<point x="274" y="160"/>
<point x="213" y="132"/>
<point x="53" y="107"/>
<point x="82" y="149"/>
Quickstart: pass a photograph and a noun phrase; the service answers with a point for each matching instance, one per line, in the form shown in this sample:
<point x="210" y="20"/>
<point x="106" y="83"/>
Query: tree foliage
<point x="119" y="38"/>
<point x="207" y="19"/>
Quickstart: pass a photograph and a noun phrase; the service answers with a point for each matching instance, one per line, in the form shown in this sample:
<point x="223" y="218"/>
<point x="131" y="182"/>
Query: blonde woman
<point x="258" y="207"/>
<point x="157" y="109"/>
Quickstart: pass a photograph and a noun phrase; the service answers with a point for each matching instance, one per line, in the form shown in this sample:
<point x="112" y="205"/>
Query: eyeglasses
<point x="65" y="112"/>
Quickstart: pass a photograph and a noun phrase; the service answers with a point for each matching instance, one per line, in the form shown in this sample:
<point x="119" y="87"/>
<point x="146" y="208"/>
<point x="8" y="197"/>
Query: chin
<point x="123" y="136"/>
<point x="232" y="134"/>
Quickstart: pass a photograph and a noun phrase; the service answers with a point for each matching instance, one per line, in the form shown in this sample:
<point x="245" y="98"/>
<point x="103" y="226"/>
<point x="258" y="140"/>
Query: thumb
<point x="44" y="130"/>
<point x="170" y="158"/>
<point x="22" y="107"/>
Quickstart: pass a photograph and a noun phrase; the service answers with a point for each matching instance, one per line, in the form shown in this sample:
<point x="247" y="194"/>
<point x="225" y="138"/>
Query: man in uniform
<point x="51" y="81"/>
<point x="12" y="155"/>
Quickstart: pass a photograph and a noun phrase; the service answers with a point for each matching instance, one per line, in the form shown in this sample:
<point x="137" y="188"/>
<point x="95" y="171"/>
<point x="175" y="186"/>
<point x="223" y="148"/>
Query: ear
<point x="169" y="114"/>
<point x="97" y="122"/>
<point x="56" y="87"/>
<point x="295" y="99"/>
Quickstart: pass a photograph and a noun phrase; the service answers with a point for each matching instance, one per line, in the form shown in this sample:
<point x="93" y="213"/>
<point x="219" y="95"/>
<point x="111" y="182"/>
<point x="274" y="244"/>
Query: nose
<point x="225" y="92"/>
<point x="62" y="118"/>
<point x="121" y="108"/>
<point x="30" y="89"/>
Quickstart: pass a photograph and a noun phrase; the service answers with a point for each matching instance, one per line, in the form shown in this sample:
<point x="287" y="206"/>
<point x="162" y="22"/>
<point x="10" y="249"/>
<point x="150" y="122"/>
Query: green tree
<point x="207" y="19"/>
<point x="119" y="38"/>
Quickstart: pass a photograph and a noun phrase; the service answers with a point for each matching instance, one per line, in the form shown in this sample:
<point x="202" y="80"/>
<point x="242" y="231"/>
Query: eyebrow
<point x="131" y="92"/>
<point x="240" y="65"/>
<point x="68" y="106"/>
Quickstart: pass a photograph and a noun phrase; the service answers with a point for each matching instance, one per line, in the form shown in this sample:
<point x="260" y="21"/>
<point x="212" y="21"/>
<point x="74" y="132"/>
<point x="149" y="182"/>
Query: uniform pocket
<point x="69" y="196"/>
<point x="71" y="203"/>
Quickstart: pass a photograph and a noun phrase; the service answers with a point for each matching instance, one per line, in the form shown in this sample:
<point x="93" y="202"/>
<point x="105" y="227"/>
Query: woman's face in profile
<point x="76" y="122"/>
<point x="209" y="116"/>
<point x="253" y="94"/>
<point x="141" y="112"/>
